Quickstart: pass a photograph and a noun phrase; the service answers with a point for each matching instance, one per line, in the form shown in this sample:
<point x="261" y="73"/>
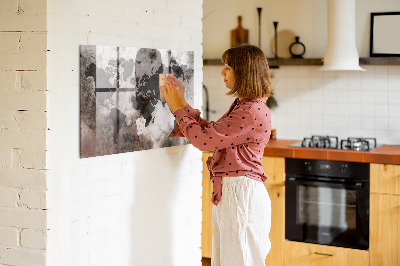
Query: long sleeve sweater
<point x="238" y="139"/>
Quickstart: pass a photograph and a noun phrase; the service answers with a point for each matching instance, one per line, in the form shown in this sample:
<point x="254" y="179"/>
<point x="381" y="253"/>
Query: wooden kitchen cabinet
<point x="305" y="254"/>
<point x="385" y="178"/>
<point x="274" y="168"/>
<point x="384" y="236"/>
<point x="385" y="215"/>
<point x="206" y="225"/>
<point x="277" y="233"/>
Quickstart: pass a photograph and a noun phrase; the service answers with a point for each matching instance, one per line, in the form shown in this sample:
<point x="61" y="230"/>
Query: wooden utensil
<point x="239" y="35"/>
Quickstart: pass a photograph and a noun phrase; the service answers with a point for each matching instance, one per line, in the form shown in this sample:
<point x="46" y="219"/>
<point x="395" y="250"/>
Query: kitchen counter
<point x="389" y="154"/>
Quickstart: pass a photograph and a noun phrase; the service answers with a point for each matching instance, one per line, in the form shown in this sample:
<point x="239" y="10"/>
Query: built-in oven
<point x="327" y="202"/>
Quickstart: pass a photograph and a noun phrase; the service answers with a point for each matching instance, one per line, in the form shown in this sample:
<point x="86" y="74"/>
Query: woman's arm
<point x="239" y="127"/>
<point x="174" y="93"/>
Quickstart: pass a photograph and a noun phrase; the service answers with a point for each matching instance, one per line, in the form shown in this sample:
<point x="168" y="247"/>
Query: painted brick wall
<point x="139" y="208"/>
<point x="23" y="132"/>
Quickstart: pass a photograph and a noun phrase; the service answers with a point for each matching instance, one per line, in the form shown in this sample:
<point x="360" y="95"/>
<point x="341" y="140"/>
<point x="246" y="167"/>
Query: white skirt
<point x="241" y="223"/>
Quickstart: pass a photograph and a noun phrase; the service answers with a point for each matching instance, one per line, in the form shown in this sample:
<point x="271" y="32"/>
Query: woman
<point x="242" y="211"/>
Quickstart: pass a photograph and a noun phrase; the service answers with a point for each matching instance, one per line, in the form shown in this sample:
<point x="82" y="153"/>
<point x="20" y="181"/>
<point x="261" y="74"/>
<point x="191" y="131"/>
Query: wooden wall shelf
<point x="273" y="63"/>
<point x="295" y="62"/>
<point x="380" y="61"/>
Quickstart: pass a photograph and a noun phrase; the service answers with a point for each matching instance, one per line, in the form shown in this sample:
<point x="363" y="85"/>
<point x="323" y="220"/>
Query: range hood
<point x="341" y="51"/>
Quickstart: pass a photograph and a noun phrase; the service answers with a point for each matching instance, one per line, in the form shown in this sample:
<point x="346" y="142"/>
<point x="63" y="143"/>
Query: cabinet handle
<point x="324" y="254"/>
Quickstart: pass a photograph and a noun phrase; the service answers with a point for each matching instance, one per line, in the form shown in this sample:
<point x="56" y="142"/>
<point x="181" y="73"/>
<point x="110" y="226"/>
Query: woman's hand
<point x="174" y="93"/>
<point x="181" y="89"/>
<point x="181" y="92"/>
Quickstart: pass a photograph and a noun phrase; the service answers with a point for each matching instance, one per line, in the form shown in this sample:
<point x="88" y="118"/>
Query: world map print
<point x="121" y="106"/>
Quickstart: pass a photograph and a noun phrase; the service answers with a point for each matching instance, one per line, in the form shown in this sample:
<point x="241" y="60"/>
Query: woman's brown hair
<point x="250" y="66"/>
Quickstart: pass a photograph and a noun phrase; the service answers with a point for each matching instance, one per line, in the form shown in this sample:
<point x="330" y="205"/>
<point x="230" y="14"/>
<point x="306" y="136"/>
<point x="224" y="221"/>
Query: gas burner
<point x="332" y="142"/>
<point x="358" y="144"/>
<point x="327" y="142"/>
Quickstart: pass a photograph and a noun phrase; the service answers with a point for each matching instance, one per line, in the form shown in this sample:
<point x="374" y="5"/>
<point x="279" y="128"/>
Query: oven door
<point x="327" y="213"/>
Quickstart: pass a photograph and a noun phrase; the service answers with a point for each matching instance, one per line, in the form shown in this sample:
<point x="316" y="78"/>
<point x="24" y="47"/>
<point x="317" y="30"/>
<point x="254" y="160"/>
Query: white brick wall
<point x="9" y="237"/>
<point x="139" y="208"/>
<point x="11" y="256"/>
<point x="23" y="132"/>
<point x="33" y="239"/>
<point x="8" y="197"/>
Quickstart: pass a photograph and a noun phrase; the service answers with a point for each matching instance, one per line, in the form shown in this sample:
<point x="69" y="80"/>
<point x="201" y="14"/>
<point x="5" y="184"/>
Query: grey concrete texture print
<point x="121" y="106"/>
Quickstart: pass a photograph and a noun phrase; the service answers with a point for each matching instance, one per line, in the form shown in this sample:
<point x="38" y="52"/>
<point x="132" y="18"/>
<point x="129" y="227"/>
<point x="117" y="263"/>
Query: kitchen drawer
<point x="305" y="254"/>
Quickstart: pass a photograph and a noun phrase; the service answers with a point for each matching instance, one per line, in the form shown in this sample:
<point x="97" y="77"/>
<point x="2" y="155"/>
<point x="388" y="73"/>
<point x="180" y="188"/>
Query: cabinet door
<point x="304" y="254"/>
<point x="385" y="178"/>
<point x="384" y="230"/>
<point x="206" y="232"/>
<point x="274" y="168"/>
<point x="277" y="233"/>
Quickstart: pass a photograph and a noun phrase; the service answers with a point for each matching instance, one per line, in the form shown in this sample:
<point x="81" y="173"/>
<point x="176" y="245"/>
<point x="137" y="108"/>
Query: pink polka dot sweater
<point x="238" y="139"/>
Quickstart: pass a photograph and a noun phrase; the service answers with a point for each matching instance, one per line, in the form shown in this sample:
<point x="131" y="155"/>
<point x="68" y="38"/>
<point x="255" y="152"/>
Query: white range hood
<point x="341" y="51"/>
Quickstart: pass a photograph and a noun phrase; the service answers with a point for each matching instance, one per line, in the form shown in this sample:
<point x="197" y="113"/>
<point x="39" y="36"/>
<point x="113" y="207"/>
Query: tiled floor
<point x="206" y="261"/>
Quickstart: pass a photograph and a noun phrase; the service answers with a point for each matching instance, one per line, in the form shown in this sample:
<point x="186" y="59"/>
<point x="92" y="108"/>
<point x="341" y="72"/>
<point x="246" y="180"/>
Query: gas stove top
<point x="332" y="142"/>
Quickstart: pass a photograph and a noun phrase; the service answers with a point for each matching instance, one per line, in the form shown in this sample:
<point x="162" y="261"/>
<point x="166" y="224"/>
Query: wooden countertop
<point x="389" y="154"/>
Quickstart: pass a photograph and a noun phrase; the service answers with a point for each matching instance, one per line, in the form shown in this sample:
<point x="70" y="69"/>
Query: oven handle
<point x="357" y="185"/>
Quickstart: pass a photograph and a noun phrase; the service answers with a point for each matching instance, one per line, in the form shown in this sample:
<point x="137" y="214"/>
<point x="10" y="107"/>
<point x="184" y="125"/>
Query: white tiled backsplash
<point x="313" y="102"/>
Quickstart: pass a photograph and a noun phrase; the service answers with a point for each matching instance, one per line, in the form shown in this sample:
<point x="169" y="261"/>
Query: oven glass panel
<point x="326" y="207"/>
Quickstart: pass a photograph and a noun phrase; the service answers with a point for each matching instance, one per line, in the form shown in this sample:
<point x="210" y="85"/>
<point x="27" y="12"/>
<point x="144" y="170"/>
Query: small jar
<point x="273" y="134"/>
